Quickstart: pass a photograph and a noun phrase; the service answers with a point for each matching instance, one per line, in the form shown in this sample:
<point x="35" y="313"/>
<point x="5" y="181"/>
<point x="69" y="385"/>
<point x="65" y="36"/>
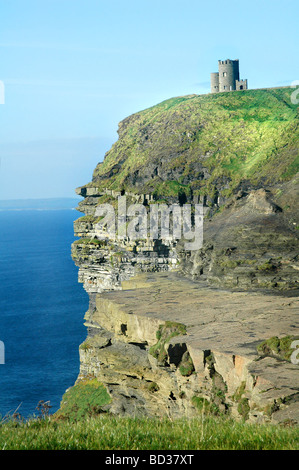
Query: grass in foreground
<point x="110" y="433"/>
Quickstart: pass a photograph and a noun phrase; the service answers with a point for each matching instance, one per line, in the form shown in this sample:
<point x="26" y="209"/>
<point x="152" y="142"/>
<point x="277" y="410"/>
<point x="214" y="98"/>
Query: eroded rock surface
<point x="172" y="331"/>
<point x="223" y="330"/>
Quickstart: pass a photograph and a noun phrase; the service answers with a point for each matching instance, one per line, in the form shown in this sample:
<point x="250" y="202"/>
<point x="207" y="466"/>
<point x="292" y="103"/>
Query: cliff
<point x="207" y="145"/>
<point x="170" y="330"/>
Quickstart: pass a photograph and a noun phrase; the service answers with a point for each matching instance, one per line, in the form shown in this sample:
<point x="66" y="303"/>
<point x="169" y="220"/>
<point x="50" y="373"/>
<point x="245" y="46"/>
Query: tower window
<point x="224" y="74"/>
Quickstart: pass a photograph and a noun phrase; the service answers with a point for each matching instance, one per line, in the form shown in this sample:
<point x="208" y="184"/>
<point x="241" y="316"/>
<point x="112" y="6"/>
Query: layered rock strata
<point x="104" y="262"/>
<point x="173" y="331"/>
<point x="144" y="293"/>
<point x="165" y="345"/>
<point x="252" y="243"/>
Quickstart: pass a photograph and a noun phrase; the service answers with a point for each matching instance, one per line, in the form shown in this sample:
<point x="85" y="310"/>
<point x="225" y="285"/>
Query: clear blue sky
<point x="72" y="69"/>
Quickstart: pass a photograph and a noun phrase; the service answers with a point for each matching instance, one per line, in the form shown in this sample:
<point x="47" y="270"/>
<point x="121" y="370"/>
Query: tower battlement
<point x="227" y="61"/>
<point x="228" y="77"/>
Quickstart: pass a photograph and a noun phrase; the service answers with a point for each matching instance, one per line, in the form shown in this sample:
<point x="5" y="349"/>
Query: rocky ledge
<point x="166" y="345"/>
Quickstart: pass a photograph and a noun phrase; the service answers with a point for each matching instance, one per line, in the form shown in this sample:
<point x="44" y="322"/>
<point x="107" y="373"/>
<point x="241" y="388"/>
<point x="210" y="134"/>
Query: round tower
<point x="228" y="74"/>
<point x="215" y="82"/>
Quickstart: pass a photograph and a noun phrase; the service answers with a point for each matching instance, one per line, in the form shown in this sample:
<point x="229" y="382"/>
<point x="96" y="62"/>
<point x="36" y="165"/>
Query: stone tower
<point x="228" y="77"/>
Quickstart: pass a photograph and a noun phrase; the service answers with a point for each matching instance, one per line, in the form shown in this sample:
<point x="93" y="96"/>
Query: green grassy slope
<point x="205" y="142"/>
<point x="110" y="433"/>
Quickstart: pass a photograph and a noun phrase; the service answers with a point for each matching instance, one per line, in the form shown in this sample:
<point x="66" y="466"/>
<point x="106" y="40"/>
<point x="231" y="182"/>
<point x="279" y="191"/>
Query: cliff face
<point x="166" y="346"/>
<point x="164" y="337"/>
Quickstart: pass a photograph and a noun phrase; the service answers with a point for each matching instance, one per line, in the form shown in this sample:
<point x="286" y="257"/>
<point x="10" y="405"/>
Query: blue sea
<point x="42" y="306"/>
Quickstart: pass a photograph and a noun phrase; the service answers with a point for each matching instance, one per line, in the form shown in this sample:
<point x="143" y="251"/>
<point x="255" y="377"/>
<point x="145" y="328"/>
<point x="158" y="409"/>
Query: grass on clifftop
<point x="82" y="424"/>
<point x="111" y="433"/>
<point x="249" y="135"/>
